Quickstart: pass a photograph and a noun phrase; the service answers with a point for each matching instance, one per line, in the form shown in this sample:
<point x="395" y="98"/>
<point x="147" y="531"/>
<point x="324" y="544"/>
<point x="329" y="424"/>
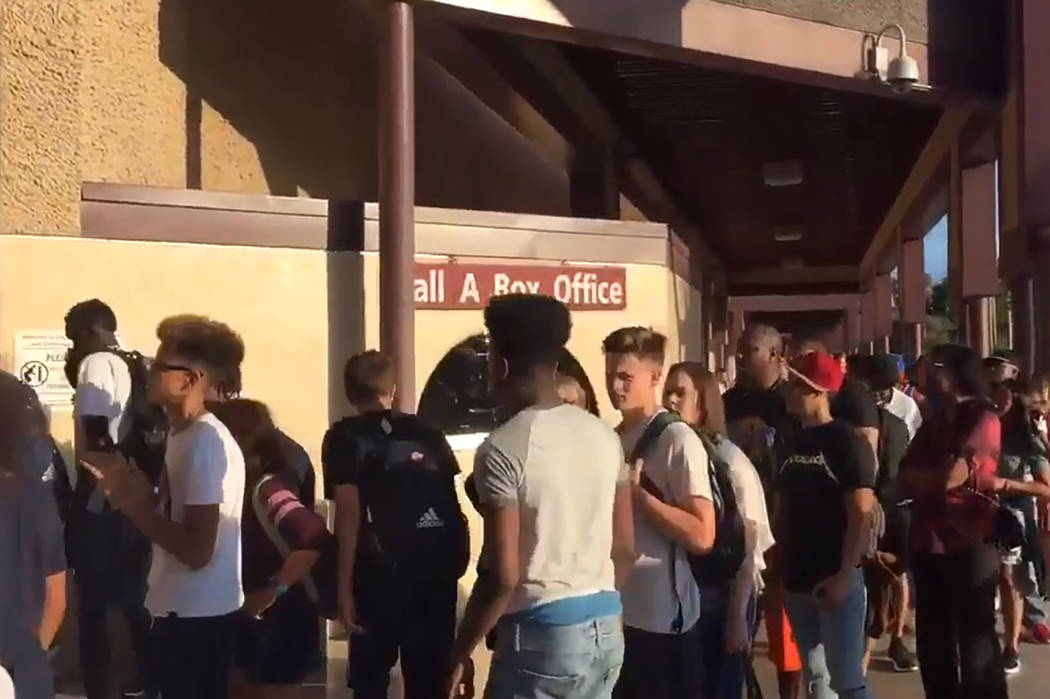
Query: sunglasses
<point x="158" y="367"/>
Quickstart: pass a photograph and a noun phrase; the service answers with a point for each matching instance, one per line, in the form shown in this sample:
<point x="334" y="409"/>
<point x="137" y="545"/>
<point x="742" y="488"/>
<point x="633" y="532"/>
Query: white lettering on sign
<point x="584" y="289"/>
<point x="453" y="285"/>
<point x="470" y="289"/>
<point x="503" y="284"/>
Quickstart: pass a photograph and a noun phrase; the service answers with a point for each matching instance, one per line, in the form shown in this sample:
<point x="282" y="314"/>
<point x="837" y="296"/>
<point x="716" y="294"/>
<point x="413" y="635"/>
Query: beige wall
<point x="301" y="312"/>
<point x="256" y="96"/>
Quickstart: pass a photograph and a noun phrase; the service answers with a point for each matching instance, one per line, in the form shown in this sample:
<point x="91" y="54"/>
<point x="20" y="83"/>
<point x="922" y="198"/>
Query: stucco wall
<point x="249" y="96"/>
<point x="864" y="15"/>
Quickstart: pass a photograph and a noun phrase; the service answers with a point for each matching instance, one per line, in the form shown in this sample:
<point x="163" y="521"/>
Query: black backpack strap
<point x="651" y="434"/>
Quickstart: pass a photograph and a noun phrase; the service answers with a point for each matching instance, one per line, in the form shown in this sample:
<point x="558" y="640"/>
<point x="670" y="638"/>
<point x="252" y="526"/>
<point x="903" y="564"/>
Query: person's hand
<point x="124" y="484"/>
<point x="959" y="473"/>
<point x="460" y="683"/>
<point x="987" y="482"/>
<point x="348" y="612"/>
<point x="256" y="603"/>
<point x="833" y="591"/>
<point x="635" y="472"/>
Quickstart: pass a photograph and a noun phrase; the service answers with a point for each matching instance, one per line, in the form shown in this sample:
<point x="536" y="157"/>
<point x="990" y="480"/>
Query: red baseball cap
<point x="819" y="370"/>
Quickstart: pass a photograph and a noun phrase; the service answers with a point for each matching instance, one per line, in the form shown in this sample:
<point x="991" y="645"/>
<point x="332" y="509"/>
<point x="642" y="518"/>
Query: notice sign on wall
<point x="466" y="286"/>
<point x="40" y="358"/>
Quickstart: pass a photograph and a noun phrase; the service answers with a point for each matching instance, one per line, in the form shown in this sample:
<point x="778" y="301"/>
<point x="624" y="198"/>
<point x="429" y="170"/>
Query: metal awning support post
<point x="397" y="194"/>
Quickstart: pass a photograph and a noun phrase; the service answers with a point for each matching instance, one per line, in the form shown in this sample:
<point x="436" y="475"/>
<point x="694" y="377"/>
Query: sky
<point x="936" y="248"/>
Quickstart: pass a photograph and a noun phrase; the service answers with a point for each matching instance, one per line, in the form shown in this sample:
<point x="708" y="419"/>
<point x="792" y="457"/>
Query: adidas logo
<point x="429" y="520"/>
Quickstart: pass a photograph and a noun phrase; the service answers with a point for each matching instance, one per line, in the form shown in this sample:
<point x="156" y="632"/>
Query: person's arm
<point x="498" y="477"/>
<point x="94" y="402"/>
<point x="492" y="593"/>
<point x="53" y="561"/>
<point x="303" y="530"/>
<point x="742" y="587"/>
<point x="689" y="517"/>
<point x="54" y="608"/>
<point x="191" y="541"/>
<point x="339" y="464"/>
<point x="347" y="530"/>
<point x="871" y="436"/>
<point x="623" y="551"/>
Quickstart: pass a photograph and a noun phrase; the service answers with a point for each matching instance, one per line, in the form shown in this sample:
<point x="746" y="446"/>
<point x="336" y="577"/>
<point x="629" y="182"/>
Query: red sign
<point x="465" y="286"/>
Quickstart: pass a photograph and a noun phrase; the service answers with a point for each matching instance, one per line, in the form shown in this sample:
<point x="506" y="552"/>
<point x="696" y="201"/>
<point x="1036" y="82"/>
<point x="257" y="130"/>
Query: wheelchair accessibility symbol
<point x="34" y="374"/>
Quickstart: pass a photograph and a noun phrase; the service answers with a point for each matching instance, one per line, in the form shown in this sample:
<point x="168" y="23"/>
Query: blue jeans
<point x="538" y="661"/>
<point x="831" y="641"/>
<point x="724" y="674"/>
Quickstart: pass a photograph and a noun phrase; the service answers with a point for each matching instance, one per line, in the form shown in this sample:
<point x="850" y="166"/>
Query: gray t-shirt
<point x="560" y="466"/>
<point x="677" y="463"/>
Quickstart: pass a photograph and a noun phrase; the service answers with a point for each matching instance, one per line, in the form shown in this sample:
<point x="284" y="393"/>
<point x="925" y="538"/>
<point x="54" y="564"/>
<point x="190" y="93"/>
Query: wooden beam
<point x="641" y="184"/>
<point x="801" y="275"/>
<point x="930" y="164"/>
<point x="781" y="304"/>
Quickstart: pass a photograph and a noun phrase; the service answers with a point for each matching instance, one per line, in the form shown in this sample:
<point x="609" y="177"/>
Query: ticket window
<point x="457" y="399"/>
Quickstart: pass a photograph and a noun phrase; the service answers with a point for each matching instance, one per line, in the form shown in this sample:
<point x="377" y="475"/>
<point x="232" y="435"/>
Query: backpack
<point x="320" y="584"/>
<point x="147" y="435"/>
<point x="720" y="565"/>
<point x="412" y="527"/>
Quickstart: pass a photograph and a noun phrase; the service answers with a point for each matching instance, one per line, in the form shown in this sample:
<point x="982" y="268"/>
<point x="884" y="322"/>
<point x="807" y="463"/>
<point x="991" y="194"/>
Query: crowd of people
<point x="840" y="499"/>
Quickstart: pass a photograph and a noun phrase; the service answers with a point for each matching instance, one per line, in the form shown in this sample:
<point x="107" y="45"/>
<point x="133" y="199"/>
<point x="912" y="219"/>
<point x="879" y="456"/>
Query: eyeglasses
<point x="158" y="367"/>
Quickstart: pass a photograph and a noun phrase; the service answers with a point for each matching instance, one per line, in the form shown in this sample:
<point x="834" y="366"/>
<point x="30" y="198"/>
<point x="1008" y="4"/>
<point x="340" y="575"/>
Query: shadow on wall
<point x="299" y="83"/>
<point x="346" y="324"/>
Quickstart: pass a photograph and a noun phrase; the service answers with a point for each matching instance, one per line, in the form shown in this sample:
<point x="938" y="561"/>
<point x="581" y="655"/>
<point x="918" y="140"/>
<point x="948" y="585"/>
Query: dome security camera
<point x="900" y="73"/>
<point x="903" y="73"/>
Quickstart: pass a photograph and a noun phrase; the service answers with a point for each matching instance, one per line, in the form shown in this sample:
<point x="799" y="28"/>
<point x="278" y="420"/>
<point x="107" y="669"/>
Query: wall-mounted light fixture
<point x="782" y="173"/>
<point x="790" y="233"/>
<point x="900" y="73"/>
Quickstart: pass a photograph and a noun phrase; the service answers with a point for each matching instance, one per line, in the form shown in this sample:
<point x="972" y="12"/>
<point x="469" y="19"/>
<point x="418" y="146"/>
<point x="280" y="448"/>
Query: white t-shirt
<point x="103" y="389"/>
<point x="203" y="466"/>
<point x="560" y="466"/>
<point x="677" y="463"/>
<point x="904" y="406"/>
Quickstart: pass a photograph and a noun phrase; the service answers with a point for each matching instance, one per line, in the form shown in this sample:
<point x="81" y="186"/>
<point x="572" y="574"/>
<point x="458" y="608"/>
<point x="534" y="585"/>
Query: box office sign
<point x="470" y="286"/>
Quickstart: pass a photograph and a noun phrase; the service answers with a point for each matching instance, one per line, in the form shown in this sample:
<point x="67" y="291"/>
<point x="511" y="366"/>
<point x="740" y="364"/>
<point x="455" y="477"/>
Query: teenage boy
<point x="195" y="578"/>
<point x="758" y="422"/>
<point x="108" y="576"/>
<point x="674" y="516"/>
<point x="825" y="498"/>
<point x="552" y="485"/>
<point x="403" y="541"/>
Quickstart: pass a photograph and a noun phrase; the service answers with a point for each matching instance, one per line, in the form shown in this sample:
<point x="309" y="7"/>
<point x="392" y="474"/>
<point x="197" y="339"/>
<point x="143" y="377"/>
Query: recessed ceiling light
<point x="787" y="233"/>
<point x="782" y="173"/>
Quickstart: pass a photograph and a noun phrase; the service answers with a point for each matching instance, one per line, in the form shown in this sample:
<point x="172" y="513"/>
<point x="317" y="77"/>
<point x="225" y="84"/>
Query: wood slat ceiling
<point x="707" y="133"/>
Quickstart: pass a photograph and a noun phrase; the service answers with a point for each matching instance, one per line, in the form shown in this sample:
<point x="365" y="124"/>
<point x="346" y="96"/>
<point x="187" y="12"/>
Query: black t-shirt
<point x="352" y="437"/>
<point x="299" y="461"/>
<point x="855" y="405"/>
<point x="893" y="443"/>
<point x="758" y="422"/>
<point x="825" y="464"/>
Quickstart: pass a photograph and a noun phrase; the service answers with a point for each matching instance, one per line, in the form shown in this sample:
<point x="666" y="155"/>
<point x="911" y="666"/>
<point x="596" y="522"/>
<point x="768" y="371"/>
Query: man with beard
<point x="758" y="422"/>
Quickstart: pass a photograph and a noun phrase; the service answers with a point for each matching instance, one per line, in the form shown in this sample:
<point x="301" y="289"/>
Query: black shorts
<point x="283" y="647"/>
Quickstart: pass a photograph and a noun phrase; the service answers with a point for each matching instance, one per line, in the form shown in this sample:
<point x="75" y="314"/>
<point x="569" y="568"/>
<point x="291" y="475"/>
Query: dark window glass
<point x="456" y="398"/>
